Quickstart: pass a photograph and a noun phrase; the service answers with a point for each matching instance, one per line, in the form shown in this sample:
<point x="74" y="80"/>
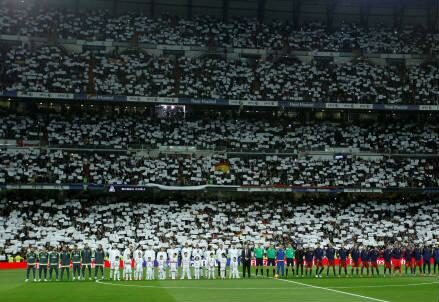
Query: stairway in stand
<point x="91" y="77"/>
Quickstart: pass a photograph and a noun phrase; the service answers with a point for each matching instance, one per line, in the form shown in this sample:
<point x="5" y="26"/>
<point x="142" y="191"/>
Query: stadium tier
<point x="275" y="78"/>
<point x="217" y="133"/>
<point x="100" y="25"/>
<point x="70" y="167"/>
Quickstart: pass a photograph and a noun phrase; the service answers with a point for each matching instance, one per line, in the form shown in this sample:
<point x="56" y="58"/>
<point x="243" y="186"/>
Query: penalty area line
<point x="333" y="290"/>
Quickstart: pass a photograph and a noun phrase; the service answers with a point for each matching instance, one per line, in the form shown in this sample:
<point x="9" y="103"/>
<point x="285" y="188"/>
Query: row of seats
<point x="209" y="31"/>
<point x="52" y="69"/>
<point x="122" y="131"/>
<point x="210" y="224"/>
<point x="60" y="167"/>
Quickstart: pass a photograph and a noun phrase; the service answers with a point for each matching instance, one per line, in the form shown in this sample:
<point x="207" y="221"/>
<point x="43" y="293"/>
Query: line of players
<point x="203" y="262"/>
<point x="364" y="260"/>
<point x="57" y="264"/>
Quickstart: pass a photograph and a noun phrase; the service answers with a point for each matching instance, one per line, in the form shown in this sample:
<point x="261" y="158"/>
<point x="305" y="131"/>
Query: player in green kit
<point x="31" y="259"/>
<point x="86" y="255"/>
<point x="76" y="261"/>
<point x="289" y="254"/>
<point x="43" y="261"/>
<point x="65" y="262"/>
<point x="53" y="263"/>
<point x="271" y="255"/>
<point x="99" y="261"/>
<point x="259" y="255"/>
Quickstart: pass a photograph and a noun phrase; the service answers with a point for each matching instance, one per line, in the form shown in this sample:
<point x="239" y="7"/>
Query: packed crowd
<point x="68" y="167"/>
<point x="211" y="32"/>
<point x="208" y="132"/>
<point x="52" y="69"/>
<point x="216" y="224"/>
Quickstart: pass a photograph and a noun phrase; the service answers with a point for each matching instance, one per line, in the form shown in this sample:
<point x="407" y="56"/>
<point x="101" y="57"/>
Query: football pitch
<point x="353" y="289"/>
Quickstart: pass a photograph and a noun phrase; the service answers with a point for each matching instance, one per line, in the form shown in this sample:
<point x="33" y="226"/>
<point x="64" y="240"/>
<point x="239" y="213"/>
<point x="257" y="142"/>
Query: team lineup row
<point x="204" y="261"/>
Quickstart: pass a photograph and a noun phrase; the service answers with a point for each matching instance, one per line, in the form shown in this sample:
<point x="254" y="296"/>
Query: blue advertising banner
<point x="47" y="96"/>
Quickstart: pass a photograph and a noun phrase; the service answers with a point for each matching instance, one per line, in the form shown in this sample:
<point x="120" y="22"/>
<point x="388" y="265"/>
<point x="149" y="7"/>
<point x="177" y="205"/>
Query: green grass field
<point x="378" y="289"/>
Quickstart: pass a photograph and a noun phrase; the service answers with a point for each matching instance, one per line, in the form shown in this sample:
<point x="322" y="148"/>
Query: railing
<point x="230" y="151"/>
<point x="122" y="188"/>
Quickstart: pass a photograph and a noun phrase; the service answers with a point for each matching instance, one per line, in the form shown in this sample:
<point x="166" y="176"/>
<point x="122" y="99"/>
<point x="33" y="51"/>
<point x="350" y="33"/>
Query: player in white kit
<point x="162" y="253"/>
<point x="212" y="262"/>
<point x="117" y="269"/>
<point x="149" y="253"/>
<point x="233" y="252"/>
<point x="171" y="251"/>
<point x="205" y="263"/>
<point x="223" y="265"/>
<point x="126" y="254"/>
<point x="220" y="253"/>
<point x="197" y="267"/>
<point x="114" y="264"/>
<point x="127" y="268"/>
<point x="186" y="266"/>
<point x="162" y="268"/>
<point x="149" y="269"/>
<point x="173" y="264"/>
<point x="234" y="273"/>
<point x="186" y="249"/>
<point x="138" y="264"/>
<point x="197" y="252"/>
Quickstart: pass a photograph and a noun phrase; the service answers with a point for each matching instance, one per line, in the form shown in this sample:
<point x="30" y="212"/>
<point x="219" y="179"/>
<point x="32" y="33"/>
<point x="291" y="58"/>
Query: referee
<point x="290" y="253"/>
<point x="259" y="255"/>
<point x="271" y="255"/>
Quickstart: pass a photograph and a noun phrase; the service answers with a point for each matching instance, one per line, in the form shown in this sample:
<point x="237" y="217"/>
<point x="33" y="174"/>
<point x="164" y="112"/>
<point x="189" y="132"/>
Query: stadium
<point x="221" y="150"/>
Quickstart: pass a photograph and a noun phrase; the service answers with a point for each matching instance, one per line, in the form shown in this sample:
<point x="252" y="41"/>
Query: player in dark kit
<point x="436" y="259"/>
<point x="318" y="255"/>
<point x="355" y="255"/>
<point x="330" y="255"/>
<point x="426" y="257"/>
<point x="373" y="257"/>
<point x="342" y="261"/>
<point x="418" y="260"/>
<point x="300" y="253"/>
<point x="396" y="257"/>
<point x="387" y="255"/>
<point x="408" y="255"/>
<point x="309" y="256"/>
<point x="364" y="255"/>
<point x="31" y="259"/>
<point x="76" y="261"/>
<point x="65" y="262"/>
<point x="99" y="261"/>
<point x="53" y="263"/>
<point x="86" y="255"/>
<point x="43" y="261"/>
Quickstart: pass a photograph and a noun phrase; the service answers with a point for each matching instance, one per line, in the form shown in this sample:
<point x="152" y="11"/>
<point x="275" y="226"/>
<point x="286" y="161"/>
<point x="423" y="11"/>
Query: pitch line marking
<point x="191" y="287"/>
<point x="384" y="286"/>
<point x="334" y="290"/>
<point x="259" y="288"/>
